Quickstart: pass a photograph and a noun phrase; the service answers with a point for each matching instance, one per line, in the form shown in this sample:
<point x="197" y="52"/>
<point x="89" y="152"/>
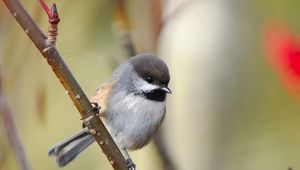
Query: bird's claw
<point x="96" y="107"/>
<point x="130" y="164"/>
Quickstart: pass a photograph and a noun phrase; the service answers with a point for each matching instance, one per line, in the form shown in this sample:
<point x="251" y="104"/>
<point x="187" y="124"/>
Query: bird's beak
<point x="167" y="90"/>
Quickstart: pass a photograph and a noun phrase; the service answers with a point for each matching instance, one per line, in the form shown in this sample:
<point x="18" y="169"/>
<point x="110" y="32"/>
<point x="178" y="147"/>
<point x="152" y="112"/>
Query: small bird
<point x="133" y="105"/>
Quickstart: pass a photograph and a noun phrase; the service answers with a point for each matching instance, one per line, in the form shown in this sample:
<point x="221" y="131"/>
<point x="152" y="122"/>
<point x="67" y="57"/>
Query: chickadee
<point x="133" y="105"/>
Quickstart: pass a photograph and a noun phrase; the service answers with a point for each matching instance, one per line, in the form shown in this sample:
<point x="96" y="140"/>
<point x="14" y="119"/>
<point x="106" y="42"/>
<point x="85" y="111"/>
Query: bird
<point x="133" y="106"/>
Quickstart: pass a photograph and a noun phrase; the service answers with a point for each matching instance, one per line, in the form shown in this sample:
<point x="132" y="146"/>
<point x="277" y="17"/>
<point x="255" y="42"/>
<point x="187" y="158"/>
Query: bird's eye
<point x="149" y="79"/>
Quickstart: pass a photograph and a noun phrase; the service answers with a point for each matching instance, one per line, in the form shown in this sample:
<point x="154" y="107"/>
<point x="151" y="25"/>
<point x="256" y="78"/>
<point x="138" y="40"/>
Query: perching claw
<point x="130" y="164"/>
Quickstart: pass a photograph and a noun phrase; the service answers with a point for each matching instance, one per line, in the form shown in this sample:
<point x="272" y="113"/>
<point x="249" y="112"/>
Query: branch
<point x="12" y="135"/>
<point x="168" y="163"/>
<point x="122" y="27"/>
<point x="64" y="75"/>
<point x="11" y="131"/>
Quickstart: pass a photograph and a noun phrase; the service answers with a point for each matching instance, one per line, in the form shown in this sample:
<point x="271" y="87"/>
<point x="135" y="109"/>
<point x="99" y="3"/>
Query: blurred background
<point x="235" y="77"/>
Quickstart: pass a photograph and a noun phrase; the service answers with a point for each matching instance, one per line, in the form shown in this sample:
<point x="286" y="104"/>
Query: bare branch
<point x="122" y="27"/>
<point x="75" y="92"/>
<point x="11" y="131"/>
<point x="12" y="135"/>
<point x="168" y="163"/>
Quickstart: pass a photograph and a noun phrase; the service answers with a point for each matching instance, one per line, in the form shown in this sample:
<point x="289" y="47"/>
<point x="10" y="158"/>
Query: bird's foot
<point x="130" y="164"/>
<point x="96" y="107"/>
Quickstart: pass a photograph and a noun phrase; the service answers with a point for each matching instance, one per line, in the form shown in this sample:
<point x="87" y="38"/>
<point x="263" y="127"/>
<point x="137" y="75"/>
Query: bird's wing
<point x="101" y="96"/>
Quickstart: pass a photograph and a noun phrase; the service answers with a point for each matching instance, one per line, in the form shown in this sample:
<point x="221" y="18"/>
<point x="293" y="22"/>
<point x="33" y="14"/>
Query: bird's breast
<point x="133" y="119"/>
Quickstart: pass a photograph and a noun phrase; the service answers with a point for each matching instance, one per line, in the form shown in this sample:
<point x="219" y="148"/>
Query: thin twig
<point x="160" y="144"/>
<point x="122" y="27"/>
<point x="75" y="92"/>
<point x="12" y="135"/>
<point x="53" y="19"/>
<point x="156" y="7"/>
<point x="11" y="131"/>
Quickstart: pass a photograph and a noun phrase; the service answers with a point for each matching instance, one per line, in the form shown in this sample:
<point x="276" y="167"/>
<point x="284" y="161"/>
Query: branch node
<point x="93" y="131"/>
<point x="88" y="119"/>
<point x="53" y="18"/>
<point x="47" y="48"/>
<point x="78" y="97"/>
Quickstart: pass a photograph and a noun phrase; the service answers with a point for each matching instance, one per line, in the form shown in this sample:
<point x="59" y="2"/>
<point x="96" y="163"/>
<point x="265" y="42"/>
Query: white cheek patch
<point x="142" y="85"/>
<point x="148" y="87"/>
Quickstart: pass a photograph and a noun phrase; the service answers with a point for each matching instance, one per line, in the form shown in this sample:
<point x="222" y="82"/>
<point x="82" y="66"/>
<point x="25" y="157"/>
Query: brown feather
<point x="101" y="96"/>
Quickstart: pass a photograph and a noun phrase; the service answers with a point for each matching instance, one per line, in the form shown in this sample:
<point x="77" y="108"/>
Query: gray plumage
<point x="133" y="107"/>
<point x="71" y="147"/>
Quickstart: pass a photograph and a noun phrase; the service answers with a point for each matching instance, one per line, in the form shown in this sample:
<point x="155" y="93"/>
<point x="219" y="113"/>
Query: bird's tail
<point x="67" y="150"/>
